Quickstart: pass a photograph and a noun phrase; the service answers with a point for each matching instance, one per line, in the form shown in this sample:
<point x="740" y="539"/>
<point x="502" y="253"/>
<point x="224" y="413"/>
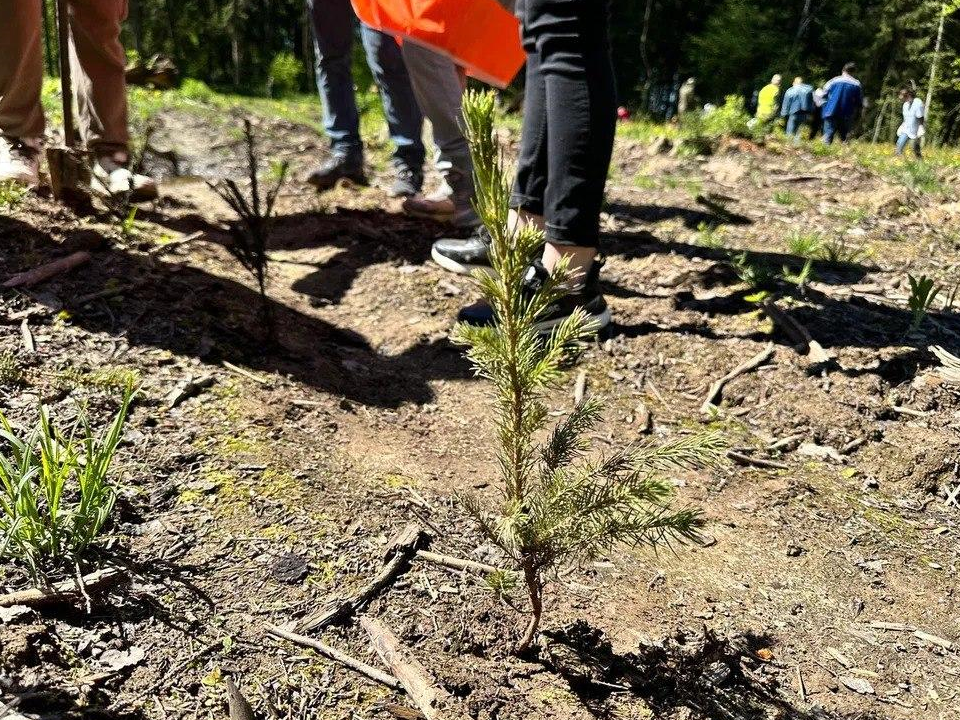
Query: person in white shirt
<point x="911" y="130"/>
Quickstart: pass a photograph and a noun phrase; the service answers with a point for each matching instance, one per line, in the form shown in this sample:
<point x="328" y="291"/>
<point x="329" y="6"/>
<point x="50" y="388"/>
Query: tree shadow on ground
<point x="713" y="214"/>
<point x="695" y="672"/>
<point x="49" y="703"/>
<point x="191" y="312"/>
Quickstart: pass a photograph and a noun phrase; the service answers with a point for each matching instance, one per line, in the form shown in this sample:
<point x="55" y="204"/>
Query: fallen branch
<point x="456" y="563"/>
<point x="61" y="591"/>
<point x="717" y="387"/>
<point x="337" y="656"/>
<point x="245" y="373"/>
<point x="399" y="553"/>
<point x="51" y="269"/>
<point x="951" y="364"/>
<point x="755" y="461"/>
<point x="434" y="702"/>
<point x="108" y="292"/>
<point x="173" y="244"/>
<point x="796" y="332"/>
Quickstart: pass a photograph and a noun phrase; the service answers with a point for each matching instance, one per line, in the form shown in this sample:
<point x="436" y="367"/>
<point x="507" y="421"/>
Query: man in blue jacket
<point x="796" y="107"/>
<point x="843" y="100"/>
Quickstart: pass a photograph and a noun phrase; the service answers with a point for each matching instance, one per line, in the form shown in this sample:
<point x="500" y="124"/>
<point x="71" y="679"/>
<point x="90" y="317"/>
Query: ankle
<point x="519" y="218"/>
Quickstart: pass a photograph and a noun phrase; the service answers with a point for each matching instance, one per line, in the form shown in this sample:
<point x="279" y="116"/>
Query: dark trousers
<point x="569" y="120"/>
<point x="836" y="126"/>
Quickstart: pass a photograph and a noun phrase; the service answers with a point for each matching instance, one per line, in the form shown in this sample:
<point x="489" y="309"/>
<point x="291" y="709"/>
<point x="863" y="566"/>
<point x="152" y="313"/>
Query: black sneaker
<point x="338" y="167"/>
<point x="465" y="255"/>
<point x="588" y="297"/>
<point x="407" y="182"/>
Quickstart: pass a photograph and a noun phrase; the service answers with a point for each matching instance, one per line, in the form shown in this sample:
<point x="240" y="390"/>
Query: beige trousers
<point x="97" y="61"/>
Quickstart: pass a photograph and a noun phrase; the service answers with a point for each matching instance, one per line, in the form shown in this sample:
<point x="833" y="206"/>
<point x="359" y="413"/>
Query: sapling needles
<point x="558" y="504"/>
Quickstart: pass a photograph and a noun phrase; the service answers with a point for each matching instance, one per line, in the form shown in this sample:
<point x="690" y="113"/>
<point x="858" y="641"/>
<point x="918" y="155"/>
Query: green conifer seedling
<point x="558" y="504"/>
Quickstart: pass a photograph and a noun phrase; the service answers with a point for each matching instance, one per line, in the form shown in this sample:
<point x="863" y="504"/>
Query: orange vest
<point x="479" y="35"/>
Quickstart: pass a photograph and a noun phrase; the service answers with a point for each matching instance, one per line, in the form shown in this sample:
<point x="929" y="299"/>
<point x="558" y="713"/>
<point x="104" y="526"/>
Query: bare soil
<point x="825" y="590"/>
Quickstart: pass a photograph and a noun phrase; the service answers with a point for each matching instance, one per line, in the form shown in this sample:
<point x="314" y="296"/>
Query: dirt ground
<point x="261" y="482"/>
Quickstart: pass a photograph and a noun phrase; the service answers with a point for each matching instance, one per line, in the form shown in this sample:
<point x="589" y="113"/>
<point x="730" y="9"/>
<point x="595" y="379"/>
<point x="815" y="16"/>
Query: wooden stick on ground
<point x="796" y="332"/>
<point x="51" y="269"/>
<point x="755" y="461"/>
<point x="27" y="337"/>
<point x="337" y="656"/>
<point x="456" y="563"/>
<point x="399" y="553"/>
<point x="434" y="702"/>
<point x="61" y="591"/>
<point x="717" y="387"/>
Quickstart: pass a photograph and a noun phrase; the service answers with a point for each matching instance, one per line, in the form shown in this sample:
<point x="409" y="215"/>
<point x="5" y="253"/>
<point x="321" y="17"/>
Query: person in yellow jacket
<point x="767" y="100"/>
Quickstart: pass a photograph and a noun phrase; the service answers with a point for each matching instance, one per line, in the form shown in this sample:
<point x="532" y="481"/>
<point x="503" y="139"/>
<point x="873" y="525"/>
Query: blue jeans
<point x="795" y="121"/>
<point x="835" y="126"/>
<point x="334" y="27"/>
<point x="904" y="140"/>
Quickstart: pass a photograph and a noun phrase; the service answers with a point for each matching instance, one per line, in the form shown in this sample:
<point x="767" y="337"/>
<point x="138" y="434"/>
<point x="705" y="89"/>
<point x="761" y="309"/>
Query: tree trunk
<point x="935" y="62"/>
<point x="645" y="57"/>
<point x="535" y="591"/>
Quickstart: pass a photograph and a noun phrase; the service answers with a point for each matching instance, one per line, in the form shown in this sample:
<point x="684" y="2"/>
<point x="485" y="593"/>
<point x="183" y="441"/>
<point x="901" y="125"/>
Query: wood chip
<point x="933" y="639"/>
<point x="27" y="337"/>
<point x="839" y="657"/>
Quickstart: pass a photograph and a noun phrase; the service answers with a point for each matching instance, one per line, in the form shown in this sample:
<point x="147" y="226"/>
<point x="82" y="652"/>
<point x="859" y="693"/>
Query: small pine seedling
<point x="752" y="272"/>
<point x="55" y="488"/>
<point x="252" y="234"/>
<point x="805" y="244"/>
<point x="923" y="291"/>
<point x="557" y="505"/>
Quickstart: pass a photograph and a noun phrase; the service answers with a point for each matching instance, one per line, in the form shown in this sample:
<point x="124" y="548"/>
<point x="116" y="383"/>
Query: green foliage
<point x="710" y="236"/>
<point x="10" y="371"/>
<point x="918" y="177"/>
<point x="728" y="120"/>
<point x="805" y="244"/>
<point x="11" y="195"/>
<point x="285" y="74"/>
<point x="923" y="291"/>
<point x="557" y="505"/>
<point x="196" y="90"/>
<point x="55" y="487"/>
<point x="801" y="278"/>
<point x="838" y="251"/>
<point x="751" y="271"/>
<point x="788" y="197"/>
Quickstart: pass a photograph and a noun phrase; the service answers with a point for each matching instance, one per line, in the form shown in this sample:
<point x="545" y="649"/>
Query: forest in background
<point x="730" y="46"/>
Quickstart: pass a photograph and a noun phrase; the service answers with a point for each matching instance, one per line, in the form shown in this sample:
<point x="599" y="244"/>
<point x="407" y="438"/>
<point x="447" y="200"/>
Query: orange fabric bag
<point x="480" y="35"/>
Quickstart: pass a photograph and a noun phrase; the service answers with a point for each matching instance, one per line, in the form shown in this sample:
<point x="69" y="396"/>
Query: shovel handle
<point x="66" y="86"/>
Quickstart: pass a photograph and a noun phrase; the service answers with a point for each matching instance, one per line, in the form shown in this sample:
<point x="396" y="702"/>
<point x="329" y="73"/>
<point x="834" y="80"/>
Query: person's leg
<point x="574" y="49"/>
<point x="21" y="75"/>
<point x="918" y="148"/>
<point x="791" y="124"/>
<point x="843" y="128"/>
<point x="334" y="25"/>
<point x="404" y="118"/>
<point x="828" y="130"/>
<point x="902" y="141"/>
<point x="97" y="60"/>
<point x="439" y="92"/>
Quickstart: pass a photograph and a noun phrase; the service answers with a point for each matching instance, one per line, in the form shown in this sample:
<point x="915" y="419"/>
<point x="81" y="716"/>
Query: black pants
<point x="569" y="117"/>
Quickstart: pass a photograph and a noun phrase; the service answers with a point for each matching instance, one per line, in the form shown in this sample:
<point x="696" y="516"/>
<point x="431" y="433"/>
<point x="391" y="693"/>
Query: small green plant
<point x="923" y="291"/>
<point x="788" y="197"/>
<point x="757" y="275"/>
<point x="557" y="505"/>
<point x="55" y="487"/>
<point x="805" y="244"/>
<point x="802" y="278"/>
<point x="11" y="194"/>
<point x="839" y="252"/>
<point x="284" y="76"/>
<point x="711" y="236"/>
<point x="10" y="371"/>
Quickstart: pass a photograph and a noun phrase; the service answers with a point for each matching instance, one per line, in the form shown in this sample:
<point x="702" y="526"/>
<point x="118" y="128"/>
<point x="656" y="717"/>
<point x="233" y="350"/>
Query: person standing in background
<point x="686" y="98"/>
<point x="767" y="100"/>
<point x="796" y="107"/>
<point x="334" y="26"/>
<point x="912" y="130"/>
<point x="97" y="61"/>
<point x="843" y="101"/>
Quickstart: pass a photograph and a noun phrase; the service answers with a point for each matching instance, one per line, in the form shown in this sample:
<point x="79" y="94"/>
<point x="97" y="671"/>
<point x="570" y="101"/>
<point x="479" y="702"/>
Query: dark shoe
<point x="463" y="256"/>
<point x="406" y="182"/>
<point x="338" y="167"/>
<point x="588" y="297"/>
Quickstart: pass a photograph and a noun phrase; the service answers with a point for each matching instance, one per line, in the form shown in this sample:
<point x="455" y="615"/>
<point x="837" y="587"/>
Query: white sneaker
<point x="19" y="161"/>
<point x="110" y="178"/>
